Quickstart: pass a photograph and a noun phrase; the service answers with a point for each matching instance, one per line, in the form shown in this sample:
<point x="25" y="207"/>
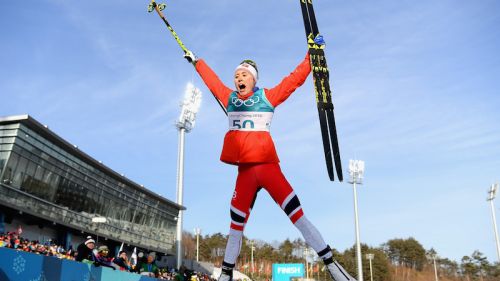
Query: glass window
<point x="53" y="185"/>
<point x="62" y="191"/>
<point x="4" y="155"/>
<point x="18" y="177"/>
<point x="48" y="187"/>
<point x="39" y="172"/>
<point x="11" y="166"/>
<point x="7" y="176"/>
<point x="30" y="172"/>
<point x="37" y="187"/>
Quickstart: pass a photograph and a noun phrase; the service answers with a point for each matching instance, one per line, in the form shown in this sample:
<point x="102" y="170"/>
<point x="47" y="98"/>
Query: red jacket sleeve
<point x="214" y="84"/>
<point x="287" y="86"/>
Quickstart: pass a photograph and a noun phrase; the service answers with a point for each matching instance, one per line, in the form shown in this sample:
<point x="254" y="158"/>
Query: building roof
<point x="45" y="132"/>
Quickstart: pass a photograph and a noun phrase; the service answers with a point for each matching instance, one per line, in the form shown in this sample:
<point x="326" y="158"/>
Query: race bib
<point x="250" y="121"/>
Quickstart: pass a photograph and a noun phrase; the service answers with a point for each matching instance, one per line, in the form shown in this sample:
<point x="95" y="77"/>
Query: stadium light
<point x="189" y="107"/>
<point x="370" y="258"/>
<point x="356" y="172"/>
<point x="491" y="195"/>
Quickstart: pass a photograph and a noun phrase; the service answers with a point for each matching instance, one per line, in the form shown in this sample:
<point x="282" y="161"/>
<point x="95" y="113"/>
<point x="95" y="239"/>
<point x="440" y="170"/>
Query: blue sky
<point x="415" y="88"/>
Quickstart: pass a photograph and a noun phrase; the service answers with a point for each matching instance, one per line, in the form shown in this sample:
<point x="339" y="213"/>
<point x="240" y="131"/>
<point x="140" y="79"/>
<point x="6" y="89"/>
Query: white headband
<point x="247" y="67"/>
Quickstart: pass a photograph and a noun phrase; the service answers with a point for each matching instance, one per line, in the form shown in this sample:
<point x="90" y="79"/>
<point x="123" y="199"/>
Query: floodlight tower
<point x="185" y="123"/>
<point x="370" y="258"/>
<point x="491" y="195"/>
<point x="356" y="171"/>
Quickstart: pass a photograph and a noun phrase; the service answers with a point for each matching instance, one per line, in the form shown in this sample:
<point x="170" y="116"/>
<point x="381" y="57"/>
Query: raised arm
<point x="214" y="84"/>
<point x="289" y="84"/>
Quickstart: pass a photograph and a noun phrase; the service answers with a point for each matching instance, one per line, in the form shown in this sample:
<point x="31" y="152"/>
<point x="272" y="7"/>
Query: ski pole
<point x="160" y="7"/>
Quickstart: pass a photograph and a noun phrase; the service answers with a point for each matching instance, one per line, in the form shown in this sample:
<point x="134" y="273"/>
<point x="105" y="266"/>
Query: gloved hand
<point x="315" y="42"/>
<point x="190" y="57"/>
<point x="319" y="40"/>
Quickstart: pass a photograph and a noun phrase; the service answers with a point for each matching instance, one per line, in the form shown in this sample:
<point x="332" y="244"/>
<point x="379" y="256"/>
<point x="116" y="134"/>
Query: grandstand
<point x="53" y="190"/>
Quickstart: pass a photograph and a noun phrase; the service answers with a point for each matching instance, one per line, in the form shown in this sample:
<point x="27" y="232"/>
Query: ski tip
<point x="339" y="174"/>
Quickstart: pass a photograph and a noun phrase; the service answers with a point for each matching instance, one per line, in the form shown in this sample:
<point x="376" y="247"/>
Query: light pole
<point x="252" y="248"/>
<point x="190" y="106"/>
<point x="435" y="268"/>
<point x="197" y="232"/>
<point x="370" y="258"/>
<point x="432" y="254"/>
<point x="356" y="171"/>
<point x="491" y="196"/>
<point x="306" y="255"/>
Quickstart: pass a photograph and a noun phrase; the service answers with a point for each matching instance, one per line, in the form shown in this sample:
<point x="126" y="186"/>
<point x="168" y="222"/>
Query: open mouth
<point x="241" y="86"/>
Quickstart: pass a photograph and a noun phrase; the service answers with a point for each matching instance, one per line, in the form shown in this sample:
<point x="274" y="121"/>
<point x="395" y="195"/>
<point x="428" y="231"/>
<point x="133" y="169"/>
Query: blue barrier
<point x="17" y="266"/>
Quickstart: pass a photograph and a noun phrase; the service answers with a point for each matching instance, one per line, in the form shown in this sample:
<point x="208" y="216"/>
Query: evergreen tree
<point x="380" y="263"/>
<point x="469" y="269"/>
<point x="286" y="251"/>
<point x="482" y="264"/>
<point x="406" y="252"/>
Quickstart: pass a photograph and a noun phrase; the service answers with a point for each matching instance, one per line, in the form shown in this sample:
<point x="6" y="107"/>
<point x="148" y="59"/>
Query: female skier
<point x="248" y="145"/>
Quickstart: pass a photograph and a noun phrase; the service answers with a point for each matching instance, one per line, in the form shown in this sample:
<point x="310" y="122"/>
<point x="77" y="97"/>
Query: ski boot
<point x="338" y="273"/>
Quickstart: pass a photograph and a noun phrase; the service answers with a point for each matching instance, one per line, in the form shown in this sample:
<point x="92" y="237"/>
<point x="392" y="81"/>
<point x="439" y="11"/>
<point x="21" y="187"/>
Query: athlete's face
<point x="244" y="82"/>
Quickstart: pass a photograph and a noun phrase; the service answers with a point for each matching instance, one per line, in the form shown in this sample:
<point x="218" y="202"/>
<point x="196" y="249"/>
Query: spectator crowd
<point x="144" y="264"/>
<point x="14" y="241"/>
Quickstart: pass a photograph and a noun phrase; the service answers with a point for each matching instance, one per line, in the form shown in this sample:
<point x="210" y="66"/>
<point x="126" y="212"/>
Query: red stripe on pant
<point x="295" y="217"/>
<point x="237" y="227"/>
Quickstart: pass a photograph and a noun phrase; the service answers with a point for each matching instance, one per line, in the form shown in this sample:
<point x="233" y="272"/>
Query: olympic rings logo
<point x="248" y="102"/>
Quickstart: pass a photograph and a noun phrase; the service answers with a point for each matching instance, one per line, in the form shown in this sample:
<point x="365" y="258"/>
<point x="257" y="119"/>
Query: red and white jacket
<point x="242" y="146"/>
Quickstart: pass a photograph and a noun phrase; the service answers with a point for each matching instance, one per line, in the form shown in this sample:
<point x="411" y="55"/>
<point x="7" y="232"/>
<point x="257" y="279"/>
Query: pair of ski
<point x="321" y="83"/>
<point x="322" y="89"/>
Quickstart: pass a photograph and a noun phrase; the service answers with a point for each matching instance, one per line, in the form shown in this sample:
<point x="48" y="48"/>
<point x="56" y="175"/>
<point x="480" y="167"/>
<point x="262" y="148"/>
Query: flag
<point x="19" y="230"/>
<point x="121" y="248"/>
<point x="133" y="257"/>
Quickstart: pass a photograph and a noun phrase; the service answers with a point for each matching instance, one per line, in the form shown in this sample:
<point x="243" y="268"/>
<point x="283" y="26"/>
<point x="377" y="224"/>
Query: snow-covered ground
<point x="236" y="275"/>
